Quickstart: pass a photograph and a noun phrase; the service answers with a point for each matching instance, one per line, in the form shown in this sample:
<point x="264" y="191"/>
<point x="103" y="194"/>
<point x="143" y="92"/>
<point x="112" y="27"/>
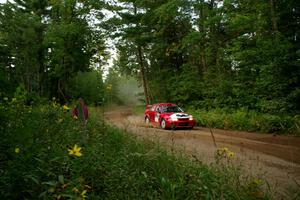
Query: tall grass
<point x="248" y="120"/>
<point x="37" y="162"/>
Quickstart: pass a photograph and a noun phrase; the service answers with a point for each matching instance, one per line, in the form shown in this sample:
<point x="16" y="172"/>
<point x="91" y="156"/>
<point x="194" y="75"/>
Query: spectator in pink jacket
<point x="81" y="111"/>
<point x="82" y="114"/>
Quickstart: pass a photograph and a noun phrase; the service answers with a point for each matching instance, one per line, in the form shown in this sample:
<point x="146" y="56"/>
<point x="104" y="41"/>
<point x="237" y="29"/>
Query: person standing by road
<point x="81" y="113"/>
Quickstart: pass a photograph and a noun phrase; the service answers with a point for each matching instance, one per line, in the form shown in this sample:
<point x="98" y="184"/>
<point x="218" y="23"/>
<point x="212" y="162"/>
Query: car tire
<point x="147" y="120"/>
<point x="163" y="124"/>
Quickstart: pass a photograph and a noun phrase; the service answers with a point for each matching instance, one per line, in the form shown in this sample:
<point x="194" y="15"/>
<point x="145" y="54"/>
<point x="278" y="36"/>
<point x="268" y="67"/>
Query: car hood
<point x="178" y="115"/>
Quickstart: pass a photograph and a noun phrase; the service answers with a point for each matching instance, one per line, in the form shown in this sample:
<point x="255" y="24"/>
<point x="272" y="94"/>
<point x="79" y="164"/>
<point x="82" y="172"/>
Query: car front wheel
<point x="147" y="120"/>
<point x="163" y="124"/>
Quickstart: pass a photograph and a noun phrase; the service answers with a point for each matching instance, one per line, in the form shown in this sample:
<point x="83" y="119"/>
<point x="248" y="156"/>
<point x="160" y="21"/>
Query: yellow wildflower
<point x="75" y="151"/>
<point x="231" y="154"/>
<point x="258" y="181"/>
<point x="17" y="150"/>
<point x="225" y="149"/>
<point x="225" y="153"/>
<point x="83" y="194"/>
<point x="65" y="107"/>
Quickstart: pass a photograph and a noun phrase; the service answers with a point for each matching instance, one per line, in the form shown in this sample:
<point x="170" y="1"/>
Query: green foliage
<point x="238" y="61"/>
<point x="138" y="110"/>
<point x="239" y="54"/>
<point x="39" y="159"/>
<point x="44" y="44"/>
<point x="88" y="85"/>
<point x="112" y="85"/>
<point x="248" y="120"/>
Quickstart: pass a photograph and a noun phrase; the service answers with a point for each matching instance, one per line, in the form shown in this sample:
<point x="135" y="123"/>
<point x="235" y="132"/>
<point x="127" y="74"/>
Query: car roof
<point x="165" y="104"/>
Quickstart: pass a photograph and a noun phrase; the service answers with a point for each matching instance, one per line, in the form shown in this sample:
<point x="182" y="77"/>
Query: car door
<point x="152" y="113"/>
<point x="157" y="114"/>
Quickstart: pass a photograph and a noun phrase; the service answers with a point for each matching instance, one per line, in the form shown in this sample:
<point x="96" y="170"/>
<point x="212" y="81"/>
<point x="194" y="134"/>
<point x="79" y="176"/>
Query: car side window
<point x="158" y="109"/>
<point x="165" y="109"/>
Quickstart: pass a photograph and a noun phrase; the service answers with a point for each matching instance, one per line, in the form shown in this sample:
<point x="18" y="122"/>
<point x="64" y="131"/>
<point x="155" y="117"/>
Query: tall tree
<point x="47" y="42"/>
<point x="136" y="35"/>
<point x="244" y="53"/>
<point x="22" y="31"/>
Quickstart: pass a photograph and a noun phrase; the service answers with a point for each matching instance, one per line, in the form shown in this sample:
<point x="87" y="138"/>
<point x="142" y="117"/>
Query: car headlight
<point x="173" y="118"/>
<point x="191" y="117"/>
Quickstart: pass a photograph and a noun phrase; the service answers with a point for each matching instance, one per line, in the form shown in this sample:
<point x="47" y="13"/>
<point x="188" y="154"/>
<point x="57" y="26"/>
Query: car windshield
<point x="172" y="109"/>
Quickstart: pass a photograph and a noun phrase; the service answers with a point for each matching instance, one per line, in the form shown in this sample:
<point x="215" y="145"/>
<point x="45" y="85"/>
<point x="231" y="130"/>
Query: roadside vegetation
<point x="43" y="156"/>
<point x="246" y="120"/>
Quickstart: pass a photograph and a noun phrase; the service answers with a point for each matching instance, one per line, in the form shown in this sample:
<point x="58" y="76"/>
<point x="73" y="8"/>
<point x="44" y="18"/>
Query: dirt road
<point x="273" y="158"/>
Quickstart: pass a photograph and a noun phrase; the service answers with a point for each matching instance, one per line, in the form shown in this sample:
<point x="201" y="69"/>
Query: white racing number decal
<point x="156" y="117"/>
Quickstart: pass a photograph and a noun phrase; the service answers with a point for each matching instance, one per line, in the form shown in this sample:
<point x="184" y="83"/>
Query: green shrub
<point x="248" y="120"/>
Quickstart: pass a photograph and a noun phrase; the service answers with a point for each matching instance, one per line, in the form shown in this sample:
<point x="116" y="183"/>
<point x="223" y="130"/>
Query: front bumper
<point x="181" y="123"/>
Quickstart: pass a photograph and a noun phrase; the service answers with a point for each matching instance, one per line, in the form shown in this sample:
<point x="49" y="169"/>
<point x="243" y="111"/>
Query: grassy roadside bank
<point x="43" y="156"/>
<point x="246" y="120"/>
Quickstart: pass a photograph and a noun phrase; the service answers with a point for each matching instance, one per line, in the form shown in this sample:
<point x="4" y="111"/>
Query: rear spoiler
<point x="148" y="106"/>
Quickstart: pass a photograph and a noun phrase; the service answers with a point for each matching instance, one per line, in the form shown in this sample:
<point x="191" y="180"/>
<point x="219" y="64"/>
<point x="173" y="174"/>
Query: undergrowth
<point x="247" y="120"/>
<point x="43" y="156"/>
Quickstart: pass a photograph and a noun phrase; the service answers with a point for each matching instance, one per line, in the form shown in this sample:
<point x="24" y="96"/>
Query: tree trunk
<point x="213" y="35"/>
<point x="203" y="58"/>
<point x="202" y="65"/>
<point x="143" y="74"/>
<point x="140" y="56"/>
<point x="61" y="91"/>
<point x="273" y="18"/>
<point x="41" y="67"/>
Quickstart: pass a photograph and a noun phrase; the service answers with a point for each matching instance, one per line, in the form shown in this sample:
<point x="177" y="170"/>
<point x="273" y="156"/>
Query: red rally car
<point x="168" y="115"/>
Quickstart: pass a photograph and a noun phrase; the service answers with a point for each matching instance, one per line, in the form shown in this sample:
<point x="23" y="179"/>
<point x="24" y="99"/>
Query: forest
<point x="226" y="56"/>
<point x="213" y="54"/>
